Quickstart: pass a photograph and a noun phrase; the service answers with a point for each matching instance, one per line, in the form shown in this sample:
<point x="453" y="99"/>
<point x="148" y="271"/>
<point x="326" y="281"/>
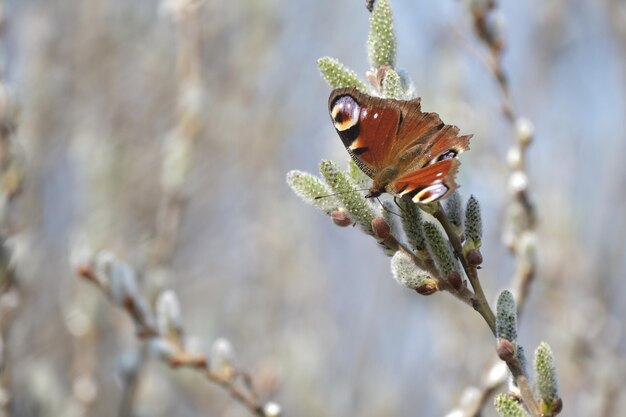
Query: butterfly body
<point x="406" y="152"/>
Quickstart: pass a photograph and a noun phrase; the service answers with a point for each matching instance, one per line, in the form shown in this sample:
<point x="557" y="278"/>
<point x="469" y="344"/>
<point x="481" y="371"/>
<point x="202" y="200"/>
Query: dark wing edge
<point x="428" y="184"/>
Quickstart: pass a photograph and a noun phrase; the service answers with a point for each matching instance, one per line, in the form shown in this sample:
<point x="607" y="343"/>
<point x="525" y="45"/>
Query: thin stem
<point x="524" y="386"/>
<point x="483" y="308"/>
<point x="493" y="62"/>
<point x="243" y="393"/>
<point x="480" y="301"/>
<point x="188" y="126"/>
<point x="237" y="394"/>
<point x="526" y="270"/>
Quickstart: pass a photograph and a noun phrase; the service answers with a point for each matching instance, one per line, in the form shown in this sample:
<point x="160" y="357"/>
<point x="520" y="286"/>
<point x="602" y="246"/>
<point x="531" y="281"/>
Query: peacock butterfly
<point x="405" y="151"/>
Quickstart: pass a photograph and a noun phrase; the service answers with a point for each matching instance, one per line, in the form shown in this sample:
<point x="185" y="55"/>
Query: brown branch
<point x="526" y="268"/>
<point x="188" y="126"/>
<point x="11" y="179"/>
<point x="236" y="382"/>
<point x="519" y="376"/>
<point x="480" y="304"/>
<point x="483" y="308"/>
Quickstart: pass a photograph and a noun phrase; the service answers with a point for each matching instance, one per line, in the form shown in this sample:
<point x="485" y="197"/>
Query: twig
<point x="11" y="177"/>
<point x="173" y="353"/>
<point x="187" y="22"/>
<point x="526" y="268"/>
<point x="524" y="386"/>
<point x="481" y="305"/>
<point x="480" y="301"/>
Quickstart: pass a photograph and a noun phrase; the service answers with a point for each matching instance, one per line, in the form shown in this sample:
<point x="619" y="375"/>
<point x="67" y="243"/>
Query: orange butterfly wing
<point x="363" y="125"/>
<point x="404" y="150"/>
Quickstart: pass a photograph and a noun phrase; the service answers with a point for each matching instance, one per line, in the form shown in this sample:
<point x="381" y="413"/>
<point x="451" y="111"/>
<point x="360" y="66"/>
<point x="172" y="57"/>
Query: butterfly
<point x="406" y="152"/>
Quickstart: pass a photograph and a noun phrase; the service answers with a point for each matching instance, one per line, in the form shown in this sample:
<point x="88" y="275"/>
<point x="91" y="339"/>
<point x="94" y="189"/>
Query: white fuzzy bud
<point x="272" y="409"/>
<point x="524" y="130"/>
<point x="518" y="182"/>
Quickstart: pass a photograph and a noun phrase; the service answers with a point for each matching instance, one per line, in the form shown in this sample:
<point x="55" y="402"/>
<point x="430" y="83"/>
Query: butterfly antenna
<point x="395" y="200"/>
<point x="386" y="209"/>
<point x="341" y="192"/>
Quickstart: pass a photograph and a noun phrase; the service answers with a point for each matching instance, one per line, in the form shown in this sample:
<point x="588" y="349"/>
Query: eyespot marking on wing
<point x="449" y="154"/>
<point x="345" y="113"/>
<point x="431" y="193"/>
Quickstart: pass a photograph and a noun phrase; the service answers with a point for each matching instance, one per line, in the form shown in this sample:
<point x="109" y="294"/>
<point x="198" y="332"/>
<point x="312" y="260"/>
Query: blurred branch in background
<point x="177" y="154"/>
<point x="178" y="145"/>
<point x="162" y="329"/>
<point x="521" y="218"/>
<point x="519" y="235"/>
<point x="11" y="177"/>
<point x="11" y="293"/>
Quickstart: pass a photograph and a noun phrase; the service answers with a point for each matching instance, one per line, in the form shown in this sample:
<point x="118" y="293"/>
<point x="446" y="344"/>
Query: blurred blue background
<point x="311" y="309"/>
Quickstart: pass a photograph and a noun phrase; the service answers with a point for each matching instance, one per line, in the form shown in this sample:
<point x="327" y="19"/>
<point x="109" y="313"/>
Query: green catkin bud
<point x="357" y="176"/>
<point x="547" y="383"/>
<point x="412" y="224"/>
<point x="353" y="201"/>
<point x="506" y="317"/>
<point x="392" y="85"/>
<point x="440" y="248"/>
<point x="521" y="358"/>
<point x="308" y="187"/>
<point x="507" y="406"/>
<point x="337" y="75"/>
<point x="454" y="210"/>
<point x="407" y="85"/>
<point x="381" y="43"/>
<point x="473" y="224"/>
<point x="408" y="275"/>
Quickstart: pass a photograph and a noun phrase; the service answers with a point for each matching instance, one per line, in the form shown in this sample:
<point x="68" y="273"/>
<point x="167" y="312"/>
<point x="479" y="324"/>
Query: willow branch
<point x="480" y="303"/>
<point x="494" y="44"/>
<point x="526" y="268"/>
<point x="11" y="179"/>
<point x="174" y="174"/>
<point x="235" y="381"/>
<point x="519" y="376"/>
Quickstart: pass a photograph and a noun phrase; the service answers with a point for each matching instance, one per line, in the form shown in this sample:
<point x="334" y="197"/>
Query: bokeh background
<point x="104" y="88"/>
